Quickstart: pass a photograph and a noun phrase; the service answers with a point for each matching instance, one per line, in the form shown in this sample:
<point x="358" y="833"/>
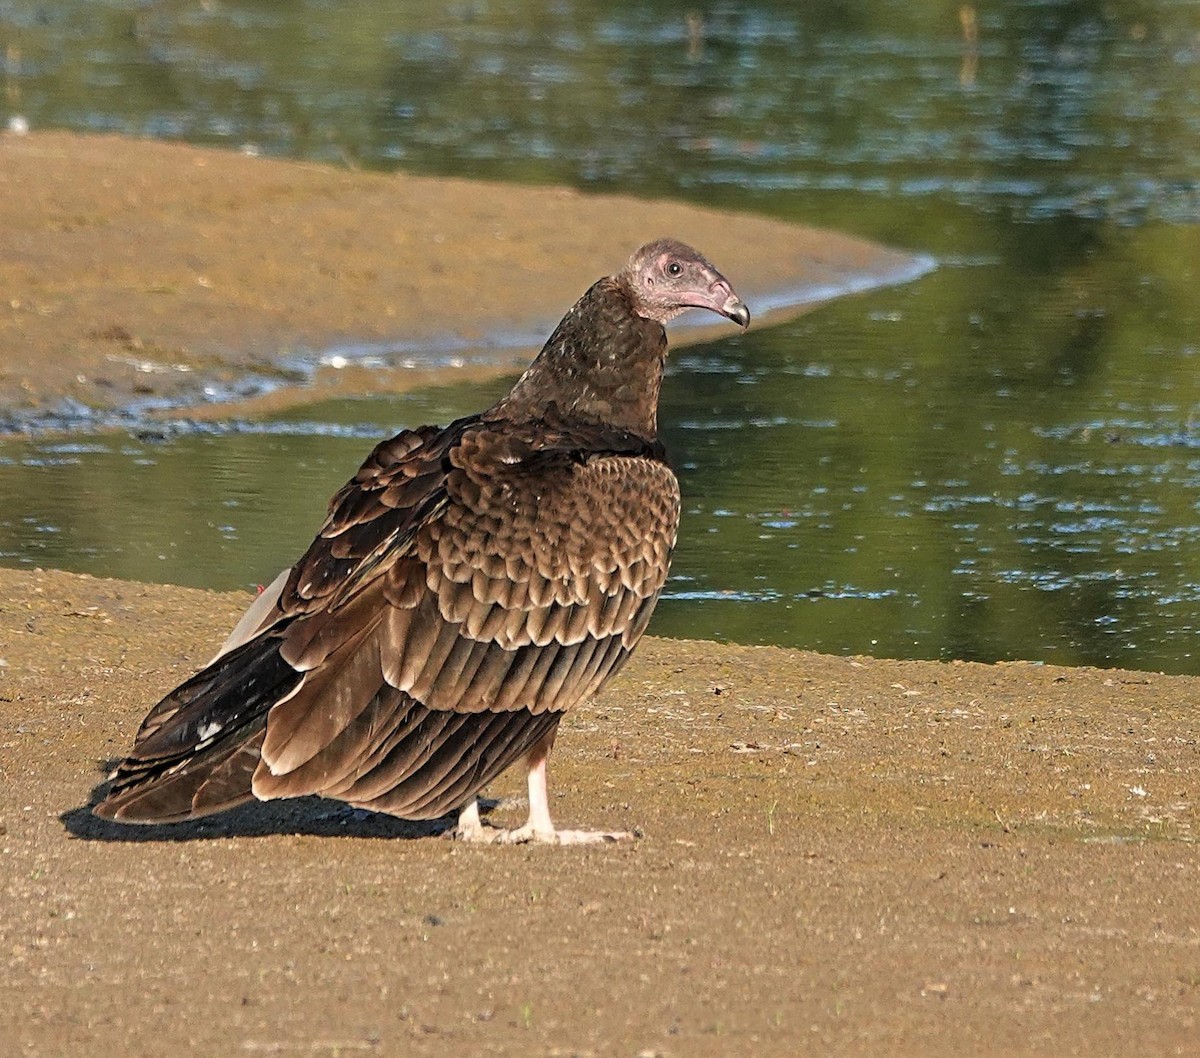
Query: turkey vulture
<point x="470" y="584"/>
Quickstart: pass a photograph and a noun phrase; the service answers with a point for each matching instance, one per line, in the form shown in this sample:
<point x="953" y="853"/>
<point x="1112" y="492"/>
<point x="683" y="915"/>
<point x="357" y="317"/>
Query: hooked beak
<point x="721" y="298"/>
<point x="735" y="308"/>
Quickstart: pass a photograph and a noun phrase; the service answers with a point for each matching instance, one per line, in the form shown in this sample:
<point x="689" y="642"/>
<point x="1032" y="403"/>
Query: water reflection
<point x="969" y="501"/>
<point x="862" y="480"/>
<point x="1086" y="109"/>
<point x="999" y="461"/>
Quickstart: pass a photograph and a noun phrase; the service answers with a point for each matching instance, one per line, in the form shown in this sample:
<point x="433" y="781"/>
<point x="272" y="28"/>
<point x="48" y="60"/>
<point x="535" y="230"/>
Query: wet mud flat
<point x="141" y="275"/>
<point x="837" y="855"/>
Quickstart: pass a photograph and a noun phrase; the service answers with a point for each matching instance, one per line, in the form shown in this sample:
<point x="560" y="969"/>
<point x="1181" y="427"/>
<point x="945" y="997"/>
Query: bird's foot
<point x="475" y="832"/>
<point x="585" y="837"/>
<point x="529" y="835"/>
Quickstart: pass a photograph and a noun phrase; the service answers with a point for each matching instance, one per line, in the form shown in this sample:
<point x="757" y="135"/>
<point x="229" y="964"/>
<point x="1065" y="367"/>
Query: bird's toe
<point x="591" y="837"/>
<point x="477" y="834"/>
<point x="530" y="835"/>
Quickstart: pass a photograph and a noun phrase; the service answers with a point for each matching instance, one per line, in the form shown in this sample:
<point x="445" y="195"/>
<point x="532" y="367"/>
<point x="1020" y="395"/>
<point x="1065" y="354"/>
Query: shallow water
<point x="996" y="461"/>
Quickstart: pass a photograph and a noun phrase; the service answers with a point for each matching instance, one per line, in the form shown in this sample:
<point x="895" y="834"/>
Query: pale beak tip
<point x="737" y="311"/>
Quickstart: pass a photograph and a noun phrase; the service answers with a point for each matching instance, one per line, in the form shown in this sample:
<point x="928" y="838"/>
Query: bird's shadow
<point x="299" y="815"/>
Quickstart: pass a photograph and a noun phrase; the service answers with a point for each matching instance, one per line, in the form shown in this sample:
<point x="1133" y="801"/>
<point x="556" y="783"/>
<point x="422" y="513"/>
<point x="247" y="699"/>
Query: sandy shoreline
<point x="141" y="271"/>
<point x="843" y="856"/>
<point x="840" y="856"/>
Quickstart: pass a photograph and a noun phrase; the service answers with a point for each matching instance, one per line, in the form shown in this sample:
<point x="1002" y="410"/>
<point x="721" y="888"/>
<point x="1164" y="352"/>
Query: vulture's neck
<point x="603" y="363"/>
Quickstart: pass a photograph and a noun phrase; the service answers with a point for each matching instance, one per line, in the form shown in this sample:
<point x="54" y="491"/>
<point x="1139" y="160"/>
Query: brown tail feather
<point x="201" y="785"/>
<point x="199" y="753"/>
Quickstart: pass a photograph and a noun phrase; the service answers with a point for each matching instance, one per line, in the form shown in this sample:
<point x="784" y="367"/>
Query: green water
<point x="996" y="461"/>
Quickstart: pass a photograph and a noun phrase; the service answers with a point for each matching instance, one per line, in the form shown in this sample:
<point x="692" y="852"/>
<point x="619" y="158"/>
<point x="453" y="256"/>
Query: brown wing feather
<point x="469" y="586"/>
<point x="521" y="588"/>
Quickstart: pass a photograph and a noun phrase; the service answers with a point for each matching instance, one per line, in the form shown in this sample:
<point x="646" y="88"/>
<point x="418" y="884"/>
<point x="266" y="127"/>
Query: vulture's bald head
<point x="666" y="276"/>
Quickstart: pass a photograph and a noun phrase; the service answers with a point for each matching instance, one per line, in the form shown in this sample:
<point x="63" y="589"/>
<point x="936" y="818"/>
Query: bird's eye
<point x="674" y="269"/>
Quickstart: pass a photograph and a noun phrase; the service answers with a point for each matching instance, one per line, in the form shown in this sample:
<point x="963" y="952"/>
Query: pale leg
<point x="470" y="826"/>
<point x="539" y="827"/>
